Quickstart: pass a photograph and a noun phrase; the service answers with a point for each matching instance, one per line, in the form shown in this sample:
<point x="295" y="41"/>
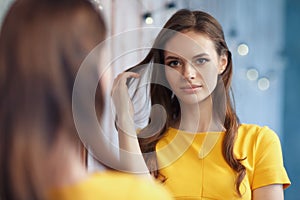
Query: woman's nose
<point x="189" y="72"/>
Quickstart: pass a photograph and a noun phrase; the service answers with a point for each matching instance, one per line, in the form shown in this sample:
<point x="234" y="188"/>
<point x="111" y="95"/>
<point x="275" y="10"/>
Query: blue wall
<point x="291" y="126"/>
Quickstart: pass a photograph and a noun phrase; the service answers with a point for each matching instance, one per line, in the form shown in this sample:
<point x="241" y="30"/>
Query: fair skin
<point x="269" y="192"/>
<point x="192" y="69"/>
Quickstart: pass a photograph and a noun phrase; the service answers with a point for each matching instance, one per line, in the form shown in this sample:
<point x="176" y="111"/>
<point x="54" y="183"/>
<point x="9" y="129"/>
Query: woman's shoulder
<point x="252" y="133"/>
<point x="132" y="187"/>
<point x="103" y="185"/>
<point x="254" y="130"/>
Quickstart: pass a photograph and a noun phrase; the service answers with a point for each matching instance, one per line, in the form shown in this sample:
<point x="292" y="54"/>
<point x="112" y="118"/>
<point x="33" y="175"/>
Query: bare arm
<point x="130" y="153"/>
<point x="270" y="192"/>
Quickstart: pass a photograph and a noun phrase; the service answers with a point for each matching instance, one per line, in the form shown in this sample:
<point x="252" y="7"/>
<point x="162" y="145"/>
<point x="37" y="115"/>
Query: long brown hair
<point x="42" y="44"/>
<point x="200" y="22"/>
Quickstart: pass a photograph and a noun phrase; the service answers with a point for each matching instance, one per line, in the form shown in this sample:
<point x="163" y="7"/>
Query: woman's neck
<point x="65" y="164"/>
<point x="198" y="117"/>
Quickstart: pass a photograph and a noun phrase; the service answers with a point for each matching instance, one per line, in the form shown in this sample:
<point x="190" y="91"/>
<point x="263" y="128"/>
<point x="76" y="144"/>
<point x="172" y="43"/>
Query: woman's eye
<point x="201" y="61"/>
<point x="174" y="63"/>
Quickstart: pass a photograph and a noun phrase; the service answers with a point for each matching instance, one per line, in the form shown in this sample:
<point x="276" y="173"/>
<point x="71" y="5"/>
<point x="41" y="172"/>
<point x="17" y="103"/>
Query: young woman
<point x="194" y="142"/>
<point x="42" y="45"/>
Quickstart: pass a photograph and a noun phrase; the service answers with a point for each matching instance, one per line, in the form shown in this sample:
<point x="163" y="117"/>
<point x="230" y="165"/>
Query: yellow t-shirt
<point x="195" y="168"/>
<point x="110" y="185"/>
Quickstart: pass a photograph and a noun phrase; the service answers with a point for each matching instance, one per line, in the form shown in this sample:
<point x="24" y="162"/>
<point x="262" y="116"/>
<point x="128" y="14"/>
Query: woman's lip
<point x="191" y="89"/>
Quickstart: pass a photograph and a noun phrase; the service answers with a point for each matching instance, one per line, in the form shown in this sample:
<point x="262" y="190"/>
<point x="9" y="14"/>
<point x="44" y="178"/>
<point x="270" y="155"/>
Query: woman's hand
<point x="130" y="153"/>
<point x="122" y="102"/>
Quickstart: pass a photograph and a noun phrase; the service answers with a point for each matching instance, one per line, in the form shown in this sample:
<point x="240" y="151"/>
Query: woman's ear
<point x="222" y="63"/>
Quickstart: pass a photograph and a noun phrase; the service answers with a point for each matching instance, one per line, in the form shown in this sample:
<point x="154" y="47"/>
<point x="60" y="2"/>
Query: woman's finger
<point x="121" y="79"/>
<point x="125" y="75"/>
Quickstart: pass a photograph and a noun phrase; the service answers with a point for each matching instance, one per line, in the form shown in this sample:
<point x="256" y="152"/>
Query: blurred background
<point x="263" y="37"/>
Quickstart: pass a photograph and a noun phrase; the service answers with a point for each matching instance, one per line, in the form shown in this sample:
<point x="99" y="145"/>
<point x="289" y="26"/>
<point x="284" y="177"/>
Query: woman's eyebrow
<point x="200" y="55"/>
<point x="171" y="57"/>
<point x="177" y="57"/>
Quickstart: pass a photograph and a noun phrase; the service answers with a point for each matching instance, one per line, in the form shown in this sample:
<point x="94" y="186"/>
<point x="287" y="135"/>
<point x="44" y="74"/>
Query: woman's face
<point x="192" y="66"/>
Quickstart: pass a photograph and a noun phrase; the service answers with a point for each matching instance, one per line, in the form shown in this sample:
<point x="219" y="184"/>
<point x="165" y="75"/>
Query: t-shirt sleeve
<point x="269" y="168"/>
